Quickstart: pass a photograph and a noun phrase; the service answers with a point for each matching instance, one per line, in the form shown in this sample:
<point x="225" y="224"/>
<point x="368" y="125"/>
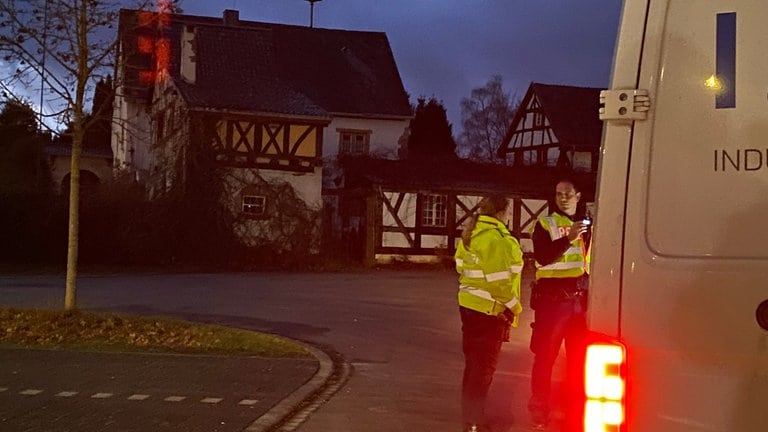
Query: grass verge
<point x="82" y="330"/>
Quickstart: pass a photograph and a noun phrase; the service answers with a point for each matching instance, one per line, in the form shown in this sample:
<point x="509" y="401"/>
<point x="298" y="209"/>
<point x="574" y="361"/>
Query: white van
<point x="679" y="282"/>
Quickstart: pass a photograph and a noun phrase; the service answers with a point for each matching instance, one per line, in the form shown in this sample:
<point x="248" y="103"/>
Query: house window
<point x="434" y="211"/>
<point x="354" y="142"/>
<point x="530" y="157"/>
<point x="254" y="205"/>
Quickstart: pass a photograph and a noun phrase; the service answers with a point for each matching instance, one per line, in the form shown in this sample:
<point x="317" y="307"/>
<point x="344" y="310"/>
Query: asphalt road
<point x="399" y="330"/>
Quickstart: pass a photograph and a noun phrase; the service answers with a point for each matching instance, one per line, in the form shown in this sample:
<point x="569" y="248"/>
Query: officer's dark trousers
<point x="482" y="338"/>
<point x="557" y="320"/>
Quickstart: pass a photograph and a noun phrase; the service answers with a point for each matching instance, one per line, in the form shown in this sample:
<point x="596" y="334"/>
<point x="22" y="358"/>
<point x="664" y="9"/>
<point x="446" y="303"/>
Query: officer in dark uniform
<point x="560" y="244"/>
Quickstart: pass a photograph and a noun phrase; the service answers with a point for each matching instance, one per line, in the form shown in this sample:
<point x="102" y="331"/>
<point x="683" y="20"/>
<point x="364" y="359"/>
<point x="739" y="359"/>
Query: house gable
<point x="556" y="126"/>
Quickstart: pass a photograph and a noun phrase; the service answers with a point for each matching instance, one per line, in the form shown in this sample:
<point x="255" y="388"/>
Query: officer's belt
<point x="559" y="288"/>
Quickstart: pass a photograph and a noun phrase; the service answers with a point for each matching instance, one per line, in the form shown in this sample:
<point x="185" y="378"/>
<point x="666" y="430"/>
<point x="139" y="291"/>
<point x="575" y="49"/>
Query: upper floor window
<point x="354" y="142"/>
<point x="434" y="210"/>
<point x="254" y="205"/>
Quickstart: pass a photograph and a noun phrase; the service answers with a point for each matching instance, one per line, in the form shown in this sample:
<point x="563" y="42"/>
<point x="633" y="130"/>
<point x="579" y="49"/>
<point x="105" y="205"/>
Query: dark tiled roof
<point x="573" y="113"/>
<point x="236" y="71"/>
<point x="287" y="69"/>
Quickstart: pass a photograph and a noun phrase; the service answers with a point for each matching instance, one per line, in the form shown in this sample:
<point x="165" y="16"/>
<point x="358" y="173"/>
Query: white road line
<point x="211" y="400"/>
<point x="138" y="397"/>
<point x="133" y="397"/>
<point x="175" y="398"/>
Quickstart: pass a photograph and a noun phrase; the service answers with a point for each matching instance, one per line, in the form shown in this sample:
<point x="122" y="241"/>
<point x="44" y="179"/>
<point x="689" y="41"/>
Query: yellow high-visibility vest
<point x="574" y="262"/>
<point x="490" y="269"/>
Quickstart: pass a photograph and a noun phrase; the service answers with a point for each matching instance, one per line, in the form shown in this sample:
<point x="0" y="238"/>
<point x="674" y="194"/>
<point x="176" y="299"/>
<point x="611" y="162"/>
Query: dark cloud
<point x="445" y="48"/>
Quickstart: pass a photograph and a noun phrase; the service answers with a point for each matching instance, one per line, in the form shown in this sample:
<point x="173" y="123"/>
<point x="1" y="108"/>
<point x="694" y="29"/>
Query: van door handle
<point x="762" y="315"/>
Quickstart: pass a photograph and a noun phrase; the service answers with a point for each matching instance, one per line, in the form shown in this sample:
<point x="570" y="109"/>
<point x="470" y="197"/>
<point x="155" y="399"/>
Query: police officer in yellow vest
<point x="489" y="262"/>
<point x="560" y="248"/>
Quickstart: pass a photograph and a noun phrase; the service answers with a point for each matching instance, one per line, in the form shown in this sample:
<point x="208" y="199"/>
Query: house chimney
<point x="231" y="17"/>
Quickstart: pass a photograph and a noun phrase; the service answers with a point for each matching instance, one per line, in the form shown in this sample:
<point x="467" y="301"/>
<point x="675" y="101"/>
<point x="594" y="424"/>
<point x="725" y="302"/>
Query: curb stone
<point x="282" y="410"/>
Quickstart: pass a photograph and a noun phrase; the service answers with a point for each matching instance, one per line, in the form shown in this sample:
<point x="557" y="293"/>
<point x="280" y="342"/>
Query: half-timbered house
<point x="555" y="126"/>
<point x="275" y="104"/>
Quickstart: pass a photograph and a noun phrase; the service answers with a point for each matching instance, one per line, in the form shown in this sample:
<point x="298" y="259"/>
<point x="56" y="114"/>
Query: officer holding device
<point x="560" y="244"/>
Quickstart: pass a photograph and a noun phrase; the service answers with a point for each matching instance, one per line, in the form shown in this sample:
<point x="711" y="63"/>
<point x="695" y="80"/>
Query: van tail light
<point x="605" y="384"/>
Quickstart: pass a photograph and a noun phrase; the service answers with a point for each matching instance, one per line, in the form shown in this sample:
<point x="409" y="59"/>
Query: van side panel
<point x="695" y="261"/>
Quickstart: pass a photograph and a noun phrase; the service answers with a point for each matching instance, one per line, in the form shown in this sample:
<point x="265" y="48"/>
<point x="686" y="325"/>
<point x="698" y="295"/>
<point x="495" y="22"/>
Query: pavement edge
<point x="280" y="412"/>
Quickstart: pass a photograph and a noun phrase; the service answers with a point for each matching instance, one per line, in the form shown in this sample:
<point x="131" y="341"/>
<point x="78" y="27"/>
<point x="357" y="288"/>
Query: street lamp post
<point x="42" y="68"/>
<point x="312" y="12"/>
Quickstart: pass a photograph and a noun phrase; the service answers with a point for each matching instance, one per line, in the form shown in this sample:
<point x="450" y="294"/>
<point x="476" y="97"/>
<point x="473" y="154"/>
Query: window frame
<point x="431" y="214"/>
<point x="349" y="147"/>
<point x="245" y="208"/>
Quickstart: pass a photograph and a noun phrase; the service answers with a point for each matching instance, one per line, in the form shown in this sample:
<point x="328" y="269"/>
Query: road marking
<point x="175" y="398"/>
<point x="211" y="400"/>
<point x="138" y="397"/>
<point x="133" y="397"/>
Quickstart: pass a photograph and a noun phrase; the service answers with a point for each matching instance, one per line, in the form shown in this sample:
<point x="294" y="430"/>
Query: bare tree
<point x="486" y="116"/>
<point x="64" y="46"/>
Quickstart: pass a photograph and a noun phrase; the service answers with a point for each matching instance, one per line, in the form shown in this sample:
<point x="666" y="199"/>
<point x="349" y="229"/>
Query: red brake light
<point x="605" y="387"/>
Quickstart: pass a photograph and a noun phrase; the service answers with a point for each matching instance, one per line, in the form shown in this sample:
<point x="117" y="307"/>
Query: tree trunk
<point x="70" y="296"/>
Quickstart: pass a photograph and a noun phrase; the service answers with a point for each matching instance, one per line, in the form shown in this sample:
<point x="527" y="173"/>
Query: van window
<point x="708" y="165"/>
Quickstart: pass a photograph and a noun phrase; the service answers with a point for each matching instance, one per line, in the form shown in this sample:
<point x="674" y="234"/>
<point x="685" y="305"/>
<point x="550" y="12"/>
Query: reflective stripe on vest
<point x="573" y="262"/>
<point x="478" y="274"/>
<point x="479" y="300"/>
<point x="492" y="277"/>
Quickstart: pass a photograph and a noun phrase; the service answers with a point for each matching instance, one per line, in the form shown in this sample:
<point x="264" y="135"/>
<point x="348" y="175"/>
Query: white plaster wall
<point x="469" y="201"/>
<point x="61" y="166"/>
<point x="395" y="239"/>
<point x="418" y="259"/>
<point x="308" y="186"/>
<point x="130" y="130"/>
<point x="434" y="241"/>
<point x="384" y="135"/>
<point x="406" y="213"/>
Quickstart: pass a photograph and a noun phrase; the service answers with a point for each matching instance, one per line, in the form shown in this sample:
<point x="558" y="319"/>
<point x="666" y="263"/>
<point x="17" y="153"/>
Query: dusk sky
<point x="445" y="48"/>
